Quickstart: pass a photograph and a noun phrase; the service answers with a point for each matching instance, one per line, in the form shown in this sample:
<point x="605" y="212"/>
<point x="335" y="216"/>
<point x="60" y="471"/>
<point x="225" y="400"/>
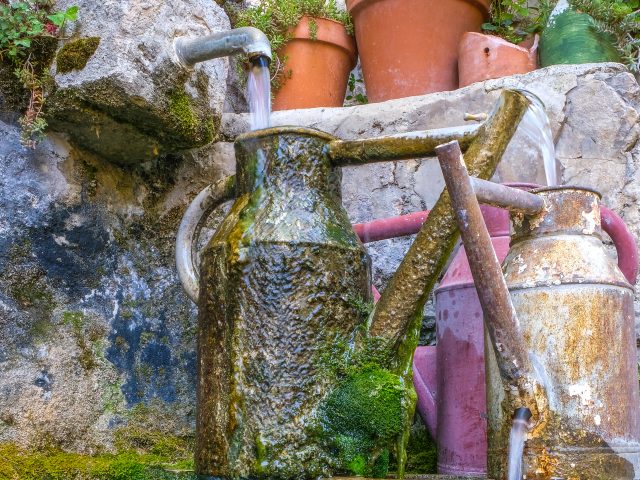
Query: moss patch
<point x="364" y="416"/>
<point x="87" y="336"/>
<point x="184" y="115"/>
<point x="75" y="55"/>
<point x="422" y="454"/>
<point x="367" y="416"/>
<point x="16" y="463"/>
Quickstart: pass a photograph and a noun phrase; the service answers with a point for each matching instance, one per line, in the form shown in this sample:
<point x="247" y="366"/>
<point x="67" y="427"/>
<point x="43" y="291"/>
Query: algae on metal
<point x="277" y="278"/>
<point x="367" y="414"/>
<point x="398" y="314"/>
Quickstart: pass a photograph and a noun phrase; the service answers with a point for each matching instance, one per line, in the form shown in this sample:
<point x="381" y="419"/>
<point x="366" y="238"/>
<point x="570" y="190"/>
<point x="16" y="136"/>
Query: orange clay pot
<point x="316" y="70"/>
<point x="482" y="57"/>
<point x="410" y="47"/>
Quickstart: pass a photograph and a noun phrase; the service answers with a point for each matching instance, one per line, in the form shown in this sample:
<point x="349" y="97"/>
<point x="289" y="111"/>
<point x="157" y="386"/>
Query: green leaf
<point x="71" y="13"/>
<point x="23" y="42"/>
<point x="57" y="18"/>
<point x="489" y="26"/>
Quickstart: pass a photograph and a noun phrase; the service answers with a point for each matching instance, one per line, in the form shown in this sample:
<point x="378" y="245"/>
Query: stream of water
<point x="259" y="95"/>
<point x="535" y="124"/>
<point x="516" y="447"/>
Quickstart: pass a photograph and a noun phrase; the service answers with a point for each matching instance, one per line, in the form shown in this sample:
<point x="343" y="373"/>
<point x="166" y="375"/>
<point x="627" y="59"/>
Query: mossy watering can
<point x="279" y="289"/>
<point x="561" y="325"/>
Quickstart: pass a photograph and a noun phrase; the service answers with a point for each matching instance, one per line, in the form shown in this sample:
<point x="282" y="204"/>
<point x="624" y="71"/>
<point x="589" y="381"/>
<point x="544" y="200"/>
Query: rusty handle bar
<point x="495" y="300"/>
<point x="509" y="198"/>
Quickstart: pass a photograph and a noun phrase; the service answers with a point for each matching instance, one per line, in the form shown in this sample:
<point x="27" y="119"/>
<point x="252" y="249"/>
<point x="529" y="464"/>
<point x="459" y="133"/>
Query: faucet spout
<point x="247" y="40"/>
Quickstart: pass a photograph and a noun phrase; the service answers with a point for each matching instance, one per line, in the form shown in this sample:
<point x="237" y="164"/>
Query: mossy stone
<point x="58" y="465"/>
<point x="75" y="55"/>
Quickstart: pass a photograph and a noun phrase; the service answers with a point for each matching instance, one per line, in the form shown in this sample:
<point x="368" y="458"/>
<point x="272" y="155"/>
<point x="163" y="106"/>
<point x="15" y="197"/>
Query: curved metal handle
<point x="624" y="241"/>
<point x="187" y="260"/>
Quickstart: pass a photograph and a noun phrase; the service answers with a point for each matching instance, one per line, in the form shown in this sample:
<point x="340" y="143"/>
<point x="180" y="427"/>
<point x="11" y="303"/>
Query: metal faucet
<point x="247" y="40"/>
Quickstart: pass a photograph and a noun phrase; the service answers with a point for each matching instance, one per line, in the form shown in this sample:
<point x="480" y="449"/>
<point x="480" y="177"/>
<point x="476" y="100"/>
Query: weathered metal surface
<point x="573" y="337"/>
<point x="487" y="273"/>
<point x="505" y="197"/>
<point x="187" y="258"/>
<point x="398" y="313"/>
<point x="575" y="308"/>
<point x="280" y="279"/>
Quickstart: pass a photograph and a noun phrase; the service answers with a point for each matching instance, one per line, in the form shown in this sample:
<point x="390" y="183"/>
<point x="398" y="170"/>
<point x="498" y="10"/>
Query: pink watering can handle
<point x="402" y="225"/>
<point x="624" y="241"/>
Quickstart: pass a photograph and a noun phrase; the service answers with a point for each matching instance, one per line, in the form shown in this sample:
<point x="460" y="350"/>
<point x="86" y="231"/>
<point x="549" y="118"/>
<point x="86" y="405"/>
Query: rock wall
<point x="96" y="335"/>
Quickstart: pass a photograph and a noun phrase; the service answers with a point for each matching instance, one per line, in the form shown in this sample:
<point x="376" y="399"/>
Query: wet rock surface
<point x="93" y="322"/>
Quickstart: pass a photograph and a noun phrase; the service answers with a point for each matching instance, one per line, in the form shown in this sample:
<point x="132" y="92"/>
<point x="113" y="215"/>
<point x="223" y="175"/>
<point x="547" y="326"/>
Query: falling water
<point x="535" y="124"/>
<point x="516" y="442"/>
<point x="259" y="93"/>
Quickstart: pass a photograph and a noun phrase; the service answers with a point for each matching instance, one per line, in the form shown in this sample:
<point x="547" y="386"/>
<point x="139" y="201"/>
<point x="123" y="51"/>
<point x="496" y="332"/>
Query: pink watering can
<point x="450" y="378"/>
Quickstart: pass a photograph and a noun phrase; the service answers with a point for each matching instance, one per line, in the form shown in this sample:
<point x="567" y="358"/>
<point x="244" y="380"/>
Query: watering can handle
<point x="624" y="242"/>
<point x="187" y="259"/>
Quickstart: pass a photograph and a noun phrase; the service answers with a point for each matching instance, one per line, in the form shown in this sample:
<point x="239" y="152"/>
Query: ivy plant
<point x="24" y="27"/>
<point x="276" y="18"/>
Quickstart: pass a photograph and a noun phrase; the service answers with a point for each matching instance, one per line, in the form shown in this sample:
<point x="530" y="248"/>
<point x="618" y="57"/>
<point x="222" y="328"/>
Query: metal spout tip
<point x="260" y="61"/>
<point x="522" y="413"/>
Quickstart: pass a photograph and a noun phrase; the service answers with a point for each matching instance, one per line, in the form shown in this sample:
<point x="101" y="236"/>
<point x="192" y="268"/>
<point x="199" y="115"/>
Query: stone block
<point x="120" y="92"/>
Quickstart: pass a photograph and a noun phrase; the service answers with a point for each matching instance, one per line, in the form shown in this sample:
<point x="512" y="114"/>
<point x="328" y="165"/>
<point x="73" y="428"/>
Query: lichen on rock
<point x="75" y="54"/>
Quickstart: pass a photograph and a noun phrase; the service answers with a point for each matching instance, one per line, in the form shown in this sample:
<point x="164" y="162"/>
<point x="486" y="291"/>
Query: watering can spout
<point x="500" y="315"/>
<point x="423" y="143"/>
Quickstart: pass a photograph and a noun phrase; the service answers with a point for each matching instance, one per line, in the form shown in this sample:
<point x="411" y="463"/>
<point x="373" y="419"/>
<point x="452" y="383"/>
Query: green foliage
<point x="351" y="90"/>
<point x="276" y="18"/>
<point x="24" y="27"/>
<point x="514" y="20"/>
<point x="620" y="18"/>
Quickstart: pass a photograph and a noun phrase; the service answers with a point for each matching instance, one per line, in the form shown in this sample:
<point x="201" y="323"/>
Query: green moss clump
<point x="75" y="55"/>
<point x="364" y="417"/>
<point x="182" y="112"/>
<point x="19" y="464"/>
<point x="153" y="442"/>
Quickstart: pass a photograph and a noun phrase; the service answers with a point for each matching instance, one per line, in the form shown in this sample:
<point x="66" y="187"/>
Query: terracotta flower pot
<point x="482" y="57"/>
<point x="410" y="47"/>
<point x="317" y="69"/>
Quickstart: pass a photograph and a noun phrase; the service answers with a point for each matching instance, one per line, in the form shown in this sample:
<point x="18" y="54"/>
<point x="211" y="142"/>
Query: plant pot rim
<point x="354" y="5"/>
<point x="329" y="31"/>
<point x="511" y="44"/>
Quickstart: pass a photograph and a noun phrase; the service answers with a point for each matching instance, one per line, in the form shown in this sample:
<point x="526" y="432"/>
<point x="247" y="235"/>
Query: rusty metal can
<point x="575" y="313"/>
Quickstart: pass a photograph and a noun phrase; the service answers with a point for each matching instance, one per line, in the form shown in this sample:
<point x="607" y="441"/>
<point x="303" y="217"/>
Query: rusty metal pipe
<point x="500" y="316"/>
<point x="392" y="227"/>
<point x="508" y="198"/>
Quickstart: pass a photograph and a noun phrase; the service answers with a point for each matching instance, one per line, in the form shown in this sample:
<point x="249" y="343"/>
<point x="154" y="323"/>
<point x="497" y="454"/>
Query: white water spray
<point x="535" y="125"/>
<point x="259" y="93"/>
<point x="516" y="442"/>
